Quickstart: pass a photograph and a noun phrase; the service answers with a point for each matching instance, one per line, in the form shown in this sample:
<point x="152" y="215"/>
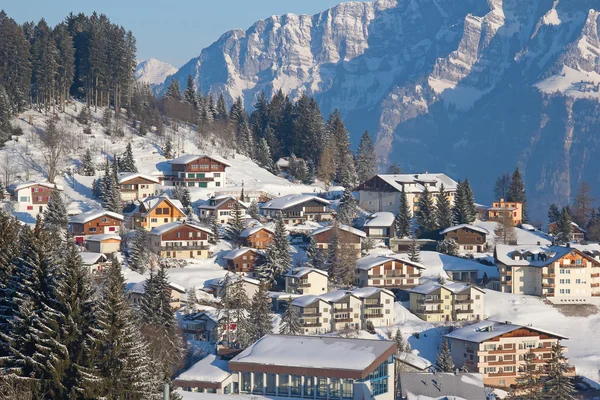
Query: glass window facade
<point x="245" y="387"/>
<point x="334" y="388"/>
<point x="284" y="385"/>
<point x="258" y="383"/>
<point x="321" y="388"/>
<point x="296" y="386"/>
<point x="309" y="386"/>
<point x="270" y="387"/>
<point x="347" y="389"/>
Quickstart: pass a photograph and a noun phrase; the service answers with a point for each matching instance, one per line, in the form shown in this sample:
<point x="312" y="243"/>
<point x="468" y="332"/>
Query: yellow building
<point x="433" y="302"/>
<point x="157" y="211"/>
<point x="506" y="210"/>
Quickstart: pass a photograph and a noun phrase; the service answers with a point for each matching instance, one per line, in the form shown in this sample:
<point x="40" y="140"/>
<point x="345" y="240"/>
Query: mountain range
<point x="153" y="71"/>
<point x="470" y="88"/>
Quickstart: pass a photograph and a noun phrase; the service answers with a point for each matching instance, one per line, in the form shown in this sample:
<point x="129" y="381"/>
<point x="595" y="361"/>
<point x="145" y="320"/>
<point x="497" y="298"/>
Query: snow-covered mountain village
<point x="160" y="241"/>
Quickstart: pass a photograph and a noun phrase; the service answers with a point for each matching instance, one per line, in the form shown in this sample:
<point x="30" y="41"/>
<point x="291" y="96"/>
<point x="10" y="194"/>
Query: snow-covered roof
<point x="282" y="203"/>
<point x="487" y="330"/>
<point x="92" y="215"/>
<point x="19" y="186"/>
<point x="283" y="162"/>
<point x="368" y="262"/>
<point x="305" y="300"/>
<point x="342" y="227"/>
<point x="533" y="256"/>
<point x="378" y="219"/>
<point x="89" y="258"/>
<point x="235" y="253"/>
<point x="417" y="181"/>
<point x="140" y="287"/>
<point x="313" y="352"/>
<point x="127" y="176"/>
<point x="465" y="226"/>
<point x="150" y="203"/>
<point x="209" y="369"/>
<point x="336" y="295"/>
<point x="220" y="200"/>
<point x="414" y="360"/>
<point x="303" y="271"/>
<point x="433" y="286"/>
<point x="160" y="230"/>
<point x="442" y="385"/>
<point x="189" y="158"/>
<point x="573" y="224"/>
<point x="528" y="227"/>
<point x="103" y="237"/>
<point x="235" y="278"/>
<point x="251" y="231"/>
<point x="369" y="291"/>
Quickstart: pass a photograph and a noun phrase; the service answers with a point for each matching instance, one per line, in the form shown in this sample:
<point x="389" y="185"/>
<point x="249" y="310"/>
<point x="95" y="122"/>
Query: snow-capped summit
<point x="153" y="71"/>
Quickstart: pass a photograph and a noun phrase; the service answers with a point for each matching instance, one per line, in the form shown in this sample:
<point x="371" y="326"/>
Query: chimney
<point x="501" y="200"/>
<point x="539" y="243"/>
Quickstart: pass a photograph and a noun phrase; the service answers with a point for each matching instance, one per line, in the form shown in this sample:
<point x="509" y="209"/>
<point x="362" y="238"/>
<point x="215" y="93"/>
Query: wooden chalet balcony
<point x="502" y="351"/>
<point x="373" y="315"/>
<point x="431" y="312"/>
<point x="180" y="248"/>
<point x="344" y="309"/>
<point x="311" y="314"/>
<point x="595" y="294"/>
<point x="464" y="311"/>
<point x="595" y="275"/>
<point x="548" y="275"/>
<point x="595" y="284"/>
<point x="373" y="305"/>
<point x="495" y="374"/>
<point x="432" y="301"/>
<point x="541" y="350"/>
<point x="303" y="284"/>
<point x="492" y="363"/>
<point x="548" y="285"/>
<point x="311" y="324"/>
<point x="464" y="301"/>
<point x="509" y="273"/>
<point x="178" y="179"/>
<point x="342" y="320"/>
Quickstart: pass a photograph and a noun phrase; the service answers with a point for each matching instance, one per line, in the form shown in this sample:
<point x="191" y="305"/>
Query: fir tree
<point x="370" y="328"/>
<point x="291" y="323"/>
<point x="138" y="252"/>
<point x="564" y="227"/>
<point x="127" y="163"/>
<point x="168" y="149"/>
<point x="425" y="213"/>
<point x="9" y="253"/>
<point x="394" y="169"/>
<point x="448" y="246"/>
<point x="192" y="300"/>
<point x="346" y="212"/>
<point x="444" y="360"/>
<point x="470" y="202"/>
<point x="282" y="246"/>
<point x="173" y="90"/>
<point x="366" y="159"/>
<point x="528" y="385"/>
<point x="5" y="116"/>
<point x="401" y="345"/>
<point x="414" y="250"/>
<point x="55" y="215"/>
<point x="87" y="164"/>
<point x="189" y="95"/>
<point x="553" y="213"/>
<point x="558" y="385"/>
<point x="263" y="156"/>
<point x="221" y="109"/>
<point x="309" y="178"/>
<point x="253" y="210"/>
<point x="235" y="225"/>
<point x="463" y="209"/>
<point x="316" y="257"/>
<point x="402" y="221"/>
<point x="214" y="227"/>
<point x="260" y="314"/>
<point x="516" y="192"/>
<point x="443" y="212"/>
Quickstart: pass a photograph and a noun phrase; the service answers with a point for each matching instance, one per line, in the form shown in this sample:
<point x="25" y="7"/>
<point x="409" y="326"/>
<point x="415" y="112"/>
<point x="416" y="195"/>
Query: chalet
<point x="314" y="314"/>
<point x="95" y="262"/>
<point x="318" y="367"/>
<point x="222" y="208"/>
<point x="209" y="375"/>
<point x="306" y="281"/>
<point x="298" y="209"/>
<point x="243" y="260"/>
<point x="96" y="222"/>
<point x="349" y="239"/>
<point x="433" y="302"/>
<point x="441" y="385"/>
<point x="506" y="211"/>
<point x="32" y="197"/>
<point x="249" y="193"/>
<point x="391" y="271"/>
<point x="383" y="192"/>
<point x="136" y="186"/>
<point x="577" y="232"/>
<point x="106" y="243"/>
<point x="180" y="240"/>
<point x="470" y="238"/>
<point x="560" y="274"/>
<point x="135" y="291"/>
<point x="496" y="350"/>
<point x="156" y="211"/>
<point x="257" y="237"/>
<point x="380" y="226"/>
<point x="197" y="171"/>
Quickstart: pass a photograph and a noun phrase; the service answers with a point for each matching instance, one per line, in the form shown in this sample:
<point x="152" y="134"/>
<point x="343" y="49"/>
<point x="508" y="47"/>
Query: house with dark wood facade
<point x="32" y="197"/>
<point x="96" y="222"/>
<point x="348" y="238"/>
<point x="391" y="271"/>
<point x="242" y="260"/>
<point x="299" y="208"/>
<point x="222" y="208"/>
<point x="577" y="232"/>
<point x="197" y="171"/>
<point x="257" y="237"/>
<point x="156" y="211"/>
<point x="470" y="238"/>
<point x="180" y="240"/>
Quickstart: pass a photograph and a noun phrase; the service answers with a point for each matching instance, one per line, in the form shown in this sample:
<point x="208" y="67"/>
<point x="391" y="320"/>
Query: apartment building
<point x="383" y="192"/>
<point x="345" y="310"/>
<point x="377" y="305"/>
<point x="32" y="197"/>
<point x="392" y="271"/>
<point x="314" y="314"/>
<point x="433" y="302"/>
<point x="180" y="240"/>
<point x="305" y="281"/>
<point x="506" y="211"/>
<point x="348" y="238"/>
<point x="200" y="171"/>
<point x="298" y="208"/>
<point x="156" y="211"/>
<point x="222" y="208"/>
<point x="135" y="186"/>
<point x="560" y="274"/>
<point x="497" y="350"/>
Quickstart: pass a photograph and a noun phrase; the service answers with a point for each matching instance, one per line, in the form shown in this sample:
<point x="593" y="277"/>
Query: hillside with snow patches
<point x="444" y="85"/>
<point x="26" y="164"/>
<point x="153" y="71"/>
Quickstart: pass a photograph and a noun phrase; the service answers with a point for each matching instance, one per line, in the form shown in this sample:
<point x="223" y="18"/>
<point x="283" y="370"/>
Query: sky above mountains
<point x="172" y="32"/>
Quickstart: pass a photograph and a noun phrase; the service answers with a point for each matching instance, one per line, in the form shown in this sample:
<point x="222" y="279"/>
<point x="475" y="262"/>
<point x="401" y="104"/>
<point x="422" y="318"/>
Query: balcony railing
<point x="312" y="314"/>
<point x="548" y="285"/>
<point x="374" y="305"/>
<point x="373" y="315"/>
<point x="494" y="374"/>
<point x="311" y="324"/>
<point x="431" y="301"/>
<point x="548" y="275"/>
<point x="502" y="351"/>
<point x="467" y="301"/>
<point x="464" y="311"/>
<point x="595" y="275"/>
<point x="342" y="320"/>
<point x="431" y="312"/>
<point x="180" y="248"/>
<point x="345" y="309"/>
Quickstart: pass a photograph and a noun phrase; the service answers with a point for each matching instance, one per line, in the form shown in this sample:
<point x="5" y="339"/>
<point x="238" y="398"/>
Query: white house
<point x="346" y="312"/>
<point x="377" y="305"/>
<point x="305" y="280"/>
<point x="389" y="271"/>
<point x="135" y="186"/>
<point x="380" y="226"/>
<point x="249" y="285"/>
<point x="201" y="171"/>
<point x="32" y="197"/>
<point x="95" y="262"/>
<point x="222" y="208"/>
<point x="314" y="313"/>
<point x="298" y="208"/>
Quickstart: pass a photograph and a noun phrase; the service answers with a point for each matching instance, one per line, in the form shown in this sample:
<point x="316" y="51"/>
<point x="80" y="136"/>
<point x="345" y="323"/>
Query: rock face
<point x="470" y="87"/>
<point x="153" y="71"/>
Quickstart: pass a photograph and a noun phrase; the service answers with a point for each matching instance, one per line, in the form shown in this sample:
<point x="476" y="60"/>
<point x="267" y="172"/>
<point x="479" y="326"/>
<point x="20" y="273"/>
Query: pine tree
<point x="394" y="169"/>
<point x="260" y="314"/>
<point x="558" y="385"/>
<point x="516" y="192"/>
<point x="9" y="253"/>
<point x="414" y="250"/>
<point x="425" y="213"/>
<point x="309" y="178"/>
<point x="55" y="215"/>
<point x="564" y="227"/>
<point x="192" y="300"/>
<point x="173" y="90"/>
<point x="189" y="95"/>
<point x="168" y="149"/>
<point x="290" y="321"/>
<point x="443" y="212"/>
<point x="528" y="385"/>
<point x="87" y="164"/>
<point x="5" y="116"/>
<point x="370" y="328"/>
<point x="470" y="202"/>
<point x="366" y="159"/>
<point x="401" y="345"/>
<point x="501" y="186"/>
<point x="235" y="225"/>
<point x="253" y="210"/>
<point x="553" y="213"/>
<point x="448" y="246"/>
<point x="402" y="221"/>
<point x="316" y="256"/>
<point x="462" y="210"/>
<point x="214" y="227"/>
<point x="221" y="110"/>
<point x="444" y="360"/>
<point x="138" y="252"/>
<point x="127" y="162"/>
<point x="278" y="257"/>
<point x="346" y="212"/>
<point x="263" y="156"/>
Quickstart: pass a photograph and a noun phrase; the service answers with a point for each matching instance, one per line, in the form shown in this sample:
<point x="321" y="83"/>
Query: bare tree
<point x="8" y="168"/>
<point x="583" y="204"/>
<point x="505" y="232"/>
<point x="501" y="186"/>
<point x="56" y="142"/>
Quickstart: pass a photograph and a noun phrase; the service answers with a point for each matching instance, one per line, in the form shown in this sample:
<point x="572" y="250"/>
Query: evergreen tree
<point x="168" y="149"/>
<point x="346" y="212"/>
<point x="5" y="116"/>
<point x="260" y="314"/>
<point x="558" y="386"/>
<point x="448" y="246"/>
<point x="402" y="221"/>
<point x="127" y="162"/>
<point x="189" y="95"/>
<point x="370" y="328"/>
<point x="55" y="215"/>
<point x="366" y="159"/>
<point x="291" y="323"/>
<point x="401" y="345"/>
<point x="87" y="164"/>
<point x="138" y="252"/>
<point x="394" y="169"/>
<point x="443" y="212"/>
<point x="9" y="253"/>
<point x="235" y="225"/>
<point x="414" y="250"/>
<point x="516" y="192"/>
<point x="173" y="90"/>
<point x="564" y="227"/>
<point x="263" y="156"/>
<point x="463" y="209"/>
<point x="214" y="227"/>
<point x="444" y="360"/>
<point x="192" y="300"/>
<point x="528" y="385"/>
<point x="316" y="256"/>
<point x="553" y="213"/>
<point x="221" y="109"/>
<point x="253" y="210"/>
<point x="470" y="202"/>
<point x="583" y="205"/>
<point x="425" y="213"/>
<point x="309" y="178"/>
<point x="502" y="186"/>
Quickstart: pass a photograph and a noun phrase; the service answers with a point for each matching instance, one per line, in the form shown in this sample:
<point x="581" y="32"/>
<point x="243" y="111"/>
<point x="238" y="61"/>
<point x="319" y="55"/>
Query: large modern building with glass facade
<point x="309" y="367"/>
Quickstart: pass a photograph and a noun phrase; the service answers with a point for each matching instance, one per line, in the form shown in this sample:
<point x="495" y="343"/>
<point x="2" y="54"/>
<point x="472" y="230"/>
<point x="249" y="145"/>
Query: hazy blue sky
<point x="171" y="31"/>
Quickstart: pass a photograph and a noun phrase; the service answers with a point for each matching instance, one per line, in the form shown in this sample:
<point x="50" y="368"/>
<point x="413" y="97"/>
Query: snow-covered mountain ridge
<point x="444" y="85"/>
<point x="153" y="71"/>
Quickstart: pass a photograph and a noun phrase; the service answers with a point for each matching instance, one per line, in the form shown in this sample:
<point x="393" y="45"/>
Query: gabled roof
<point x="210" y="369"/>
<point x="233" y="254"/>
<point x="379" y="219"/>
<point x="369" y="291"/>
<point x="150" y="203"/>
<point x="573" y="224"/>
<point x="190" y="158"/>
<point x="88" y="216"/>
<point x="103" y="237"/>
<point x="303" y="271"/>
<point x="417" y="182"/>
<point x="161" y="230"/>
<point x="306" y="300"/>
<point x="346" y="228"/>
<point x="414" y="360"/>
<point x="251" y="231"/>
<point x="452" y="287"/>
<point x="372" y="261"/>
<point x="442" y="385"/>
<point x="127" y="176"/>
<point x="89" y="258"/>
<point x="465" y="226"/>
<point x="282" y="203"/>
<point x="19" y="186"/>
<point x="234" y="278"/>
<point x="220" y="201"/>
<point x="140" y="287"/>
<point x="542" y="255"/>
<point x="337" y="295"/>
<point x="487" y="330"/>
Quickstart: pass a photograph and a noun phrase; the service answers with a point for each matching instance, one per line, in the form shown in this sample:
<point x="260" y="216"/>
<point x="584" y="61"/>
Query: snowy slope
<point x="153" y="71"/>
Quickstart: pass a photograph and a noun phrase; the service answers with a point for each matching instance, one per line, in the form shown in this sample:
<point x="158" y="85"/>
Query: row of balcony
<point x="183" y="248"/>
<point x="395" y="276"/>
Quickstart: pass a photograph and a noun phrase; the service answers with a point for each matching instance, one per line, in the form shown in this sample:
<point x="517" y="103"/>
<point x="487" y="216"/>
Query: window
<point x="258" y="383"/>
<point x="347" y="389"/>
<point x="29" y="208"/>
<point x="24" y="199"/>
<point x="245" y="382"/>
<point x="579" y="261"/>
<point x="309" y="388"/>
<point x="270" y="386"/>
<point x="562" y="281"/>
<point x="321" y="388"/>
<point x="568" y="281"/>
<point x="217" y="174"/>
<point x="577" y="280"/>
<point x="178" y="234"/>
<point x="92" y="229"/>
<point x="295" y="386"/>
<point x="387" y="301"/>
<point x="190" y="176"/>
<point x="283" y="388"/>
<point x="334" y="388"/>
<point x="379" y="386"/>
<point x="217" y="184"/>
